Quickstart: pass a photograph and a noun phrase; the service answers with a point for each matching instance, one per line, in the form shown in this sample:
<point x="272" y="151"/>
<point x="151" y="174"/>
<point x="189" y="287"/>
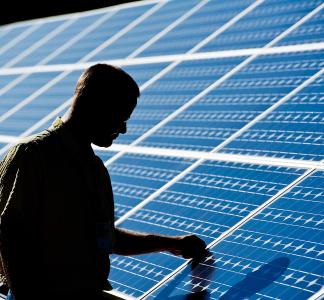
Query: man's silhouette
<point x="57" y="212"/>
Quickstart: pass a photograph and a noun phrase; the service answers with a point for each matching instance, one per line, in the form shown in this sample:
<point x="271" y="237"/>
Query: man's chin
<point x="104" y="144"/>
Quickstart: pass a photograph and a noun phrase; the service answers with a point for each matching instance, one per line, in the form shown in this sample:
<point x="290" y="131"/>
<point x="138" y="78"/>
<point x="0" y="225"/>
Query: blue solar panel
<point x="207" y="201"/>
<point x="294" y="129"/>
<point x="277" y="254"/>
<point x="57" y="43"/>
<point x="262" y="25"/>
<point x="174" y="89"/>
<point x="41" y="106"/>
<point x="147" y="29"/>
<point x="311" y="31"/>
<point x="22" y="90"/>
<point x="136" y="177"/>
<point x="236" y="102"/>
<point x="114" y="23"/>
<point x="193" y="30"/>
<point x="257" y="106"/>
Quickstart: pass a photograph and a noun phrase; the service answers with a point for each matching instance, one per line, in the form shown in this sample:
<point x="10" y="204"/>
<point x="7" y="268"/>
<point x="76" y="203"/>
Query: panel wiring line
<point x="234" y="228"/>
<point x="41" y="68"/>
<point x="172" y="66"/>
<point x="39" y="43"/>
<point x="20" y="37"/>
<point x="85" y="58"/>
<point x="167" y="29"/>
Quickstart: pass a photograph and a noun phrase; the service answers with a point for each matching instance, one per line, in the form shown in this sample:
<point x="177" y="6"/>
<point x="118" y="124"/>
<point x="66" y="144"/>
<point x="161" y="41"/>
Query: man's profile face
<point x="109" y="124"/>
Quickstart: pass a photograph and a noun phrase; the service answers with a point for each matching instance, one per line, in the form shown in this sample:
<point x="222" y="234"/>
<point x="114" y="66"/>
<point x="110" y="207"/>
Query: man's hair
<point x="105" y="86"/>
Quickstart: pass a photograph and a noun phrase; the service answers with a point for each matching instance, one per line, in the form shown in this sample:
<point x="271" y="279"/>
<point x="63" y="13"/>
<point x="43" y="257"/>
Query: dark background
<point x="19" y="10"/>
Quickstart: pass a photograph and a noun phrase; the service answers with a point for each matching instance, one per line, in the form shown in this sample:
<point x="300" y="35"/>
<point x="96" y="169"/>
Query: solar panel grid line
<point x="235" y="227"/>
<point x="166" y="58"/>
<point x="86" y="57"/>
<point x="124" y="30"/>
<point x="39" y="43"/>
<point x="20" y="37"/>
<point x="167" y="29"/>
<point x="318" y="296"/>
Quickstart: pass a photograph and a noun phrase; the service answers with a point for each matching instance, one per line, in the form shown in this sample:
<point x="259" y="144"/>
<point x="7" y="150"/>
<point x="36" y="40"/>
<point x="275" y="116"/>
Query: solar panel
<point x="226" y="141"/>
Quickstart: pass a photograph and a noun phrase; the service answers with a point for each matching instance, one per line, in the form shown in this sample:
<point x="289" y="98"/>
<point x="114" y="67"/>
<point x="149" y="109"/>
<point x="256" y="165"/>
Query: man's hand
<point x="189" y="246"/>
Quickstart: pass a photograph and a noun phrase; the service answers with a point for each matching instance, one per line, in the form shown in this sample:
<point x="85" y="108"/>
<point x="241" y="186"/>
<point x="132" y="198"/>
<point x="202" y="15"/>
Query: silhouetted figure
<point x="57" y="211"/>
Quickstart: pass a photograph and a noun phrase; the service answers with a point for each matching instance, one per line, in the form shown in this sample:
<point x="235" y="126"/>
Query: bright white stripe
<point x="257" y="160"/>
<point x="232" y="229"/>
<point x="166" y="58"/>
<point x="172" y="66"/>
<point x="124" y="31"/>
<point x="89" y="55"/>
<point x="86" y="13"/>
<point x="250" y="159"/>
<point x="8" y="139"/>
<point x="39" y="43"/>
<point x="19" y="38"/>
<point x="115" y="295"/>
<point x="318" y="296"/>
<point x="168" y="28"/>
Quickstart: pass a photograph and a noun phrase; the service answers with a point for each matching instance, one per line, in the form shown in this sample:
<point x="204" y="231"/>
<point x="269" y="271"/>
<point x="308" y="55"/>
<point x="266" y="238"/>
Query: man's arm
<point x="132" y="243"/>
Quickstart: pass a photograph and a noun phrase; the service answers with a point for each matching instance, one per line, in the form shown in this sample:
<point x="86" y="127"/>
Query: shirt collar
<point x="69" y="139"/>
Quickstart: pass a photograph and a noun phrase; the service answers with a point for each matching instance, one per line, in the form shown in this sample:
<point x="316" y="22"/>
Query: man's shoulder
<point x="28" y="145"/>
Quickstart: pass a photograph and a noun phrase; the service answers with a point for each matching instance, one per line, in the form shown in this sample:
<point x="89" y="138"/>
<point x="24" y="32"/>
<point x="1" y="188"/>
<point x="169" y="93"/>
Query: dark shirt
<point x="57" y="214"/>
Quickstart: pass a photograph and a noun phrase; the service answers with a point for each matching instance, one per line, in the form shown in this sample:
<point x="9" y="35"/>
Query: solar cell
<point x="277" y="254"/>
<point x="236" y="101"/>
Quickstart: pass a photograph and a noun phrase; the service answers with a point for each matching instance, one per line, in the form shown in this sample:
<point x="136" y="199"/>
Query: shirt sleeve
<point x="19" y="195"/>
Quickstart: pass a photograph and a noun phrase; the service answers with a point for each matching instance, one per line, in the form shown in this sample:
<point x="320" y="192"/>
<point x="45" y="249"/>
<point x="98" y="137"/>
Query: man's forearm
<point x="132" y="243"/>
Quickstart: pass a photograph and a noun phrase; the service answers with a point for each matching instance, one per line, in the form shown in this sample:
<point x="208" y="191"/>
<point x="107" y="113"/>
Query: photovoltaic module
<point x="227" y="140"/>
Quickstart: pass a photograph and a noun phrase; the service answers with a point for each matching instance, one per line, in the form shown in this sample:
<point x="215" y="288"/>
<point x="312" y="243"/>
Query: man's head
<point x="104" y="98"/>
